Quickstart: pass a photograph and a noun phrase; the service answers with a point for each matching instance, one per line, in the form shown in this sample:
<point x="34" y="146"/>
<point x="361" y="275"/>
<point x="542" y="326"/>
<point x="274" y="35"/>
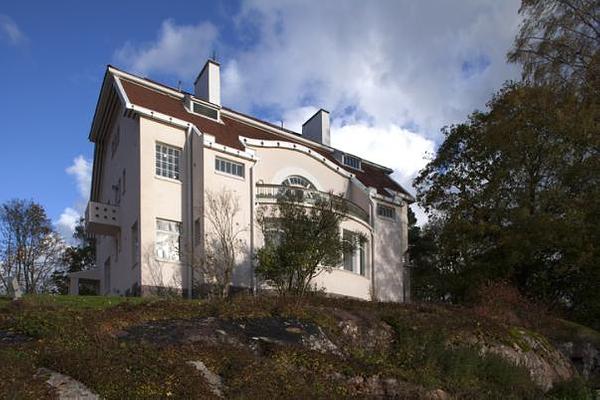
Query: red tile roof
<point x="230" y="130"/>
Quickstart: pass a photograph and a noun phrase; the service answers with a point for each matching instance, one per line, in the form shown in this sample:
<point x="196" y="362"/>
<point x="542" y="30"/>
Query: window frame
<point x="158" y="163"/>
<point x="381" y="207"/>
<point x="351" y="165"/>
<point x="177" y="233"/>
<point x="348" y="235"/>
<point x="230" y="166"/>
<point x="135" y="244"/>
<point x="114" y="143"/>
<point x="196" y="103"/>
<point x="359" y="256"/>
<point x="298" y="181"/>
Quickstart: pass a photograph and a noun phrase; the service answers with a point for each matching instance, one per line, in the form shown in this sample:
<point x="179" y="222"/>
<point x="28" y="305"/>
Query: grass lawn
<point x="80" y="302"/>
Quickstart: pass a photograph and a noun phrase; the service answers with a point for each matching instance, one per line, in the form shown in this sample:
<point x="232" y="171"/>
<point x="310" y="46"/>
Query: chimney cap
<point x="319" y="111"/>
<point x="209" y="61"/>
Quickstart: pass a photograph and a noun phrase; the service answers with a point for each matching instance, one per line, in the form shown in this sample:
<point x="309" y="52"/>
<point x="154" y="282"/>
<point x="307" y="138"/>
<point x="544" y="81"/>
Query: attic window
<point x="351" y="161"/>
<point x="205" y="111"/>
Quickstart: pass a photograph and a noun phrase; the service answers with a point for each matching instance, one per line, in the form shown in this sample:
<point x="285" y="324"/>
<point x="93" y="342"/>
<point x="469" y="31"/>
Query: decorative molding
<point x="392" y="200"/>
<point x="211" y="143"/>
<point x="282" y="144"/>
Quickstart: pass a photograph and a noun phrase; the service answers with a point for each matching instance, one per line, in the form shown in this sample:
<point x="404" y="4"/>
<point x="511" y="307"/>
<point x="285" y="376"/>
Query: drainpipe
<point x="252" y="204"/>
<point x="372" y="223"/>
<point x="190" y="219"/>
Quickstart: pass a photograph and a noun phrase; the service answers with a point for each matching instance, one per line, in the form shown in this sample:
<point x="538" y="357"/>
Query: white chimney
<point x="317" y="128"/>
<point x="208" y="83"/>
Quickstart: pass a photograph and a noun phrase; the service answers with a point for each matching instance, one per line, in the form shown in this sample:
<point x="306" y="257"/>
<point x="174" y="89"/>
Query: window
<point x="117" y="246"/>
<point x="197" y="232"/>
<point x="114" y="145"/>
<point x="296" y="180"/>
<point x="229" y="167"/>
<point x="117" y="192"/>
<point x="167" y="239"/>
<point x="351" y="161"/>
<point x="272" y="232"/>
<point x="167" y="161"/>
<point x="348" y="254"/>
<point x="355" y="260"/>
<point x="386" y="211"/>
<point x="362" y="258"/>
<point x="107" y="276"/>
<point x="205" y="111"/>
<point x="135" y="244"/>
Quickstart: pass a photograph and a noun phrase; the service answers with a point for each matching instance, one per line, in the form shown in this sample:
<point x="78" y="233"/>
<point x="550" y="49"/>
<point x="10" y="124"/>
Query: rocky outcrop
<point x="359" y="332"/>
<point x="585" y="356"/>
<point x="547" y="366"/>
<point x="255" y="333"/>
<point x="214" y="381"/>
<point x="66" y="387"/>
<point x="362" y="331"/>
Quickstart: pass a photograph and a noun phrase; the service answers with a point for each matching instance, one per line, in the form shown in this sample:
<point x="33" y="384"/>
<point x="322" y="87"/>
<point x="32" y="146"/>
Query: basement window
<point x="205" y="111"/>
<point x="351" y="161"/>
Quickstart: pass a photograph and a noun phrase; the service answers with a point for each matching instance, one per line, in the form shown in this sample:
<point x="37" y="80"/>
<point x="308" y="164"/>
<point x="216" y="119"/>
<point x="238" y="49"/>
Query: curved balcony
<point x="270" y="193"/>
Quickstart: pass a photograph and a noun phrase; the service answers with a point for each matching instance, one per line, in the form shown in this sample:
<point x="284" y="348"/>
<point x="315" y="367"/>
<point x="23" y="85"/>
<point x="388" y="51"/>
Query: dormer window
<point x="209" y="112"/>
<point x="351" y="161"/>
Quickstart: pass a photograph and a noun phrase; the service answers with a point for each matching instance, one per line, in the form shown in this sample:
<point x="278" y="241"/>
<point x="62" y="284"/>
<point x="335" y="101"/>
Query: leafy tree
<point x="427" y="282"/>
<point x="558" y="42"/>
<point x="516" y="192"/>
<point x="78" y="257"/>
<point x="30" y="249"/>
<point x="301" y="241"/>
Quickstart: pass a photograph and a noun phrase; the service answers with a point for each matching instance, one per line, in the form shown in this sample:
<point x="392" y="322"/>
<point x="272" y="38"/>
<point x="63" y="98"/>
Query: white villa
<point x="159" y="150"/>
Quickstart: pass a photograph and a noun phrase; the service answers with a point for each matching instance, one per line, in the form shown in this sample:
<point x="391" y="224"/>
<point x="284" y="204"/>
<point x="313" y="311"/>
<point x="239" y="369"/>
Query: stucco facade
<point x="159" y="152"/>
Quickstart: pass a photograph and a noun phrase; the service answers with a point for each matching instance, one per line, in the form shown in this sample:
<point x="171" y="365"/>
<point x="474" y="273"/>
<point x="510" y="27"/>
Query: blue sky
<point x="392" y="74"/>
<point x="50" y="78"/>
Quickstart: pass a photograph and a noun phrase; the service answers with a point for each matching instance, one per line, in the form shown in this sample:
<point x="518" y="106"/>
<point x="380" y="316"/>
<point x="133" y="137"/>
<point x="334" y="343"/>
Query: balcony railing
<point x="102" y="219"/>
<point x="270" y="193"/>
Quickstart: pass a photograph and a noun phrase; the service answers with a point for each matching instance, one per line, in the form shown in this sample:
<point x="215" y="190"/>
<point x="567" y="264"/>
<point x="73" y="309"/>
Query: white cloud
<point x="179" y="50"/>
<point x="67" y="221"/>
<point x="400" y="62"/>
<point x="389" y="145"/>
<point x="10" y="30"/>
<point x="81" y="169"/>
<point x="391" y="72"/>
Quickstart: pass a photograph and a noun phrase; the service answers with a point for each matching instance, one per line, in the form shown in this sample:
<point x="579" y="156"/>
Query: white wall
<point x="124" y="273"/>
<point x="149" y="197"/>
<point x="215" y="182"/>
<point x="390" y="243"/>
<point x="161" y="198"/>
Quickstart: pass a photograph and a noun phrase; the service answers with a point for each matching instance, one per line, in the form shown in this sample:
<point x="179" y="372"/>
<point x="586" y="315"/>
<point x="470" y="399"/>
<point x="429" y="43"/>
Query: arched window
<point x="298" y="181"/>
<point x="298" y="187"/>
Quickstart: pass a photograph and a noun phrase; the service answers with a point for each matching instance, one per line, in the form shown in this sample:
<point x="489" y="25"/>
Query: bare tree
<point x="163" y="282"/>
<point x="30" y="249"/>
<point x="223" y="243"/>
